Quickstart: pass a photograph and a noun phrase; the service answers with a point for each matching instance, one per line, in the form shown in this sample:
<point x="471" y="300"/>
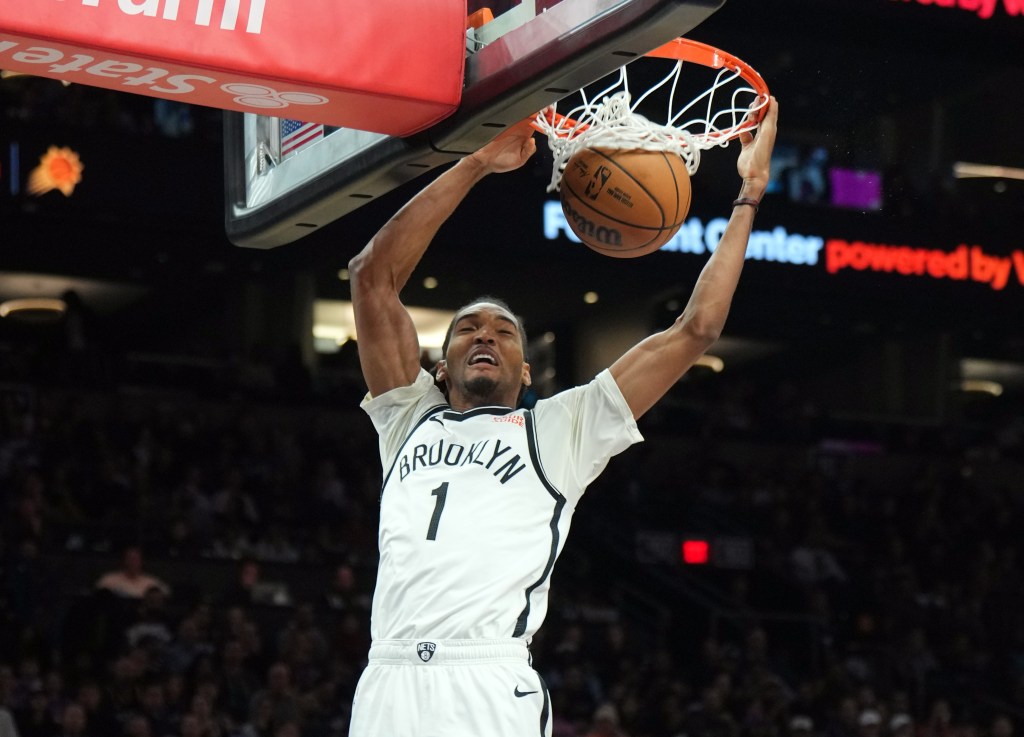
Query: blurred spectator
<point x="845" y="721"/>
<point x="28" y="681"/>
<point x="232" y="542"/>
<point x="813" y="563"/>
<point x="288" y="729"/>
<point x="233" y="505"/>
<point x="56" y="699"/>
<point x="191" y="726"/>
<point x="192" y="503"/>
<point x="302" y="624"/>
<point x="251" y="587"/>
<point x="151" y="620"/>
<point x="351" y="639"/>
<point x="98" y="713"/>
<point x="257" y="655"/>
<point x="34" y="718"/>
<point x="261" y="718"/>
<point x="176" y="692"/>
<point x="137" y="725"/>
<point x="901" y="725"/>
<point x="916" y="662"/>
<point x="801" y="726"/>
<point x="329" y="492"/>
<point x="869" y="723"/>
<point x="152" y="706"/>
<point x="275" y="547"/>
<point x="212" y="721"/>
<point x="238" y="684"/>
<point x="613" y="652"/>
<point x="184" y="653"/>
<point x="709" y="717"/>
<point x="939" y="722"/>
<point x="279" y="696"/>
<point x="30" y="513"/>
<point x="7" y="728"/>
<point x="130" y="580"/>
<point x="343" y="593"/>
<point x="31" y="588"/>
<point x="1002" y="726"/>
<point x="121" y="686"/>
<point x="605" y="722"/>
<point x="240" y="594"/>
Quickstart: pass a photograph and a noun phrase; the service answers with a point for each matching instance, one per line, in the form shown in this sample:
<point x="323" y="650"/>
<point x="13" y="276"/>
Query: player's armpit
<point x="649" y="369"/>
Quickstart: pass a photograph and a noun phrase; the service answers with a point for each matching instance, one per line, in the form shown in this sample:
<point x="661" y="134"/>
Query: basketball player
<point x="477" y="494"/>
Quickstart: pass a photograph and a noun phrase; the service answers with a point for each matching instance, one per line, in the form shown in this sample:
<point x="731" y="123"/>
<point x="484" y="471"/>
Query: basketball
<point x="625" y="203"/>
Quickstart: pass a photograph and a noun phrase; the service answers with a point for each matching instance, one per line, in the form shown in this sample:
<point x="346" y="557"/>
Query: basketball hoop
<point x="609" y="119"/>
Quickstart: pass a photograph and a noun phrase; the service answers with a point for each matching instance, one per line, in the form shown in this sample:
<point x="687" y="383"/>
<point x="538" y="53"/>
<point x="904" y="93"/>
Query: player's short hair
<point x="488" y="300"/>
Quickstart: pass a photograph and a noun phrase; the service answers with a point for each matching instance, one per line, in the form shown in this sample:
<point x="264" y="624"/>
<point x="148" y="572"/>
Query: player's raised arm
<point x="388" y="347"/>
<point x="649" y="369"/>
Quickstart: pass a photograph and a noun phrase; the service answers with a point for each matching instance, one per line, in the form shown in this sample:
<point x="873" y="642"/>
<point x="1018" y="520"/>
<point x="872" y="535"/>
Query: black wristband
<point x="746" y="201"/>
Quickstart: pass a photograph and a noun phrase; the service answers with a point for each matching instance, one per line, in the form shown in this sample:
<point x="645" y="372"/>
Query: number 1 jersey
<point x="476" y="506"/>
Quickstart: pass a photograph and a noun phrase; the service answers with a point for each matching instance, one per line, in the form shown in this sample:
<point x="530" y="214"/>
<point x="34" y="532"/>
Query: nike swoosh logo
<point x="520" y="694"/>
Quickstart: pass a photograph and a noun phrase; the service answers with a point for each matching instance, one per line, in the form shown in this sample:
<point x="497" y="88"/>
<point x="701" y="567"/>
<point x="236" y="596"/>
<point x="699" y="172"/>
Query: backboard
<point x="528" y="57"/>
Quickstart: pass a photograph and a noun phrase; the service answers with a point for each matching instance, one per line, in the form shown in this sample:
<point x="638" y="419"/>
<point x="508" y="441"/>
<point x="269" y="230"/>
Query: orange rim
<point x="695" y="52"/>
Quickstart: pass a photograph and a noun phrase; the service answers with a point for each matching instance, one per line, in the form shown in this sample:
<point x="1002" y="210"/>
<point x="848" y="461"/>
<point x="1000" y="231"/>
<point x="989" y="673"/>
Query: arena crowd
<point x="181" y="562"/>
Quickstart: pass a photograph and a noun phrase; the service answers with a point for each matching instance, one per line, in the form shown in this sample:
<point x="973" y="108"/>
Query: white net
<point x="609" y="120"/>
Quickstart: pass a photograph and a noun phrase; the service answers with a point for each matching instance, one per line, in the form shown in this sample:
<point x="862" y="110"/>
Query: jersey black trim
<point x="426" y="416"/>
<point x="531" y="442"/>
<point x="451" y="414"/>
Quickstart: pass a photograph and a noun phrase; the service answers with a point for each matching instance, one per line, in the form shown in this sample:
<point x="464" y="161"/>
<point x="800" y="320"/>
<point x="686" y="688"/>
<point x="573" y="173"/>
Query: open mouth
<point x="482" y="358"/>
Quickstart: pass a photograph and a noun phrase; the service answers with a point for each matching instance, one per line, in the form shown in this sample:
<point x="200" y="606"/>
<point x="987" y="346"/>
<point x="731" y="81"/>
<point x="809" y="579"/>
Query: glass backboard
<point x="528" y="57"/>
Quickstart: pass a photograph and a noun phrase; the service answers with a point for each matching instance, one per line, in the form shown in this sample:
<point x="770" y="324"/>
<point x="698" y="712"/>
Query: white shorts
<point x="450" y="688"/>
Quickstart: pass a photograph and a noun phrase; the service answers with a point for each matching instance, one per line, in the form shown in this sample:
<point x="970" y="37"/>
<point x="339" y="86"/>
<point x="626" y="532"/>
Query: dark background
<point x="837" y="428"/>
<point x="901" y="88"/>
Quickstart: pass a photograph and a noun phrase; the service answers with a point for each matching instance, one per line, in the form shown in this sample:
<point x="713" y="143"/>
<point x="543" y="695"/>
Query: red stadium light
<point x="696" y="552"/>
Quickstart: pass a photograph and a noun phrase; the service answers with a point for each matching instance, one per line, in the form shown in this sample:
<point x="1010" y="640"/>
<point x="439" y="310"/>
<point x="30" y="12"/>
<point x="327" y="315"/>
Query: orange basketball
<point x="625" y="203"/>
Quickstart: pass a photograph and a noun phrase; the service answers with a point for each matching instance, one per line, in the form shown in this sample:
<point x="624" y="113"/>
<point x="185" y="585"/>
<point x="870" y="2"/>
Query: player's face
<point x="484" y="364"/>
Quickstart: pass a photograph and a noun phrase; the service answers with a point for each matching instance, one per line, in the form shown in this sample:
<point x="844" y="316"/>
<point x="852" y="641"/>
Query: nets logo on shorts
<point x="425" y="650"/>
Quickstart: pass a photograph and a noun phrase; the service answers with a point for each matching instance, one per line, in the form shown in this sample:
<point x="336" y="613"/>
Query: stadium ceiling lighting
<point x="32" y="305"/>
<point x="982" y="385"/>
<point x="714" y="363"/>
<point x="965" y="170"/>
<point x="334" y="323"/>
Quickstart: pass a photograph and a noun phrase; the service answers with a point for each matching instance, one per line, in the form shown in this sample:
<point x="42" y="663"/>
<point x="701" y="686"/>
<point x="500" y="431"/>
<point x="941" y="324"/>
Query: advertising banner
<point x="389" y="66"/>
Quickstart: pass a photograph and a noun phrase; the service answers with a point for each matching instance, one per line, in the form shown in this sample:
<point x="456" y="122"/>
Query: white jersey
<point x="475" y="506"/>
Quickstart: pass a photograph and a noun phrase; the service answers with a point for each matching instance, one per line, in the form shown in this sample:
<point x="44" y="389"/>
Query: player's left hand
<point x="754" y="162"/>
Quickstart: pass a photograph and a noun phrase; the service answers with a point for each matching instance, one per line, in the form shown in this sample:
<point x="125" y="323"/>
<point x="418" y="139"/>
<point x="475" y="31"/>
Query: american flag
<point x="296" y="135"/>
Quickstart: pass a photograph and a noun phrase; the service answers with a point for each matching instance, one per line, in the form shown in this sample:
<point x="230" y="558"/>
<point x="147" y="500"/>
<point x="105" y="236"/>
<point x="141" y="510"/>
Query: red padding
<point x="388" y="66"/>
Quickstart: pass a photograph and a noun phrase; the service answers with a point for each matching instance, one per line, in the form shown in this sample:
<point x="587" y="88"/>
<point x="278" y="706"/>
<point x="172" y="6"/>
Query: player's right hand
<point x="510" y="150"/>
